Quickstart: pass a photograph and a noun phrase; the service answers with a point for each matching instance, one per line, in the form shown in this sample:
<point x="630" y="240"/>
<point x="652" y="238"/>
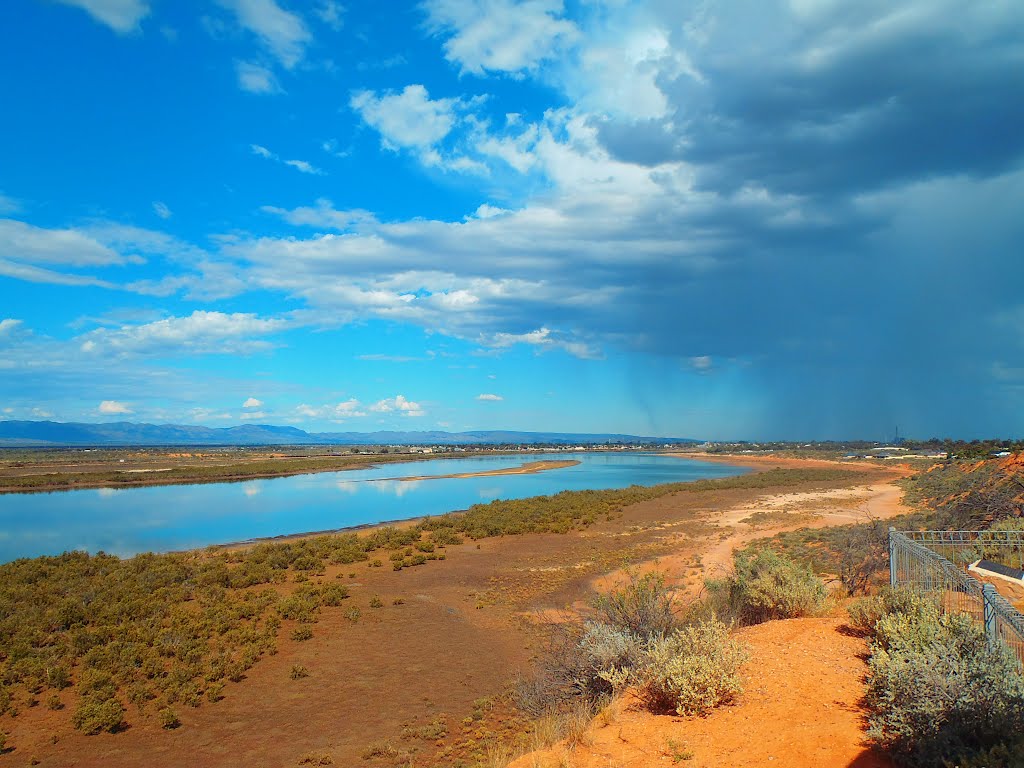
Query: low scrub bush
<point x="939" y="691"/>
<point x="169" y="719"/>
<point x="635" y="642"/>
<point x="95" y="714"/>
<point x="766" y="586"/>
<point x="643" y="607"/>
<point x="693" y="670"/>
<point x="383" y="749"/>
<point x="866" y="612"/>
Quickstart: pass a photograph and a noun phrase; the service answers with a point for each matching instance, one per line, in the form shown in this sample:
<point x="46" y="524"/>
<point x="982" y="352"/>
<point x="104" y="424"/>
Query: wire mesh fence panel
<point x="934" y="563"/>
<point x="965" y="547"/>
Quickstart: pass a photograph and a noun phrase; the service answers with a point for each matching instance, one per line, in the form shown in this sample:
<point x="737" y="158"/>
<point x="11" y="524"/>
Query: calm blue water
<point x="173" y="517"/>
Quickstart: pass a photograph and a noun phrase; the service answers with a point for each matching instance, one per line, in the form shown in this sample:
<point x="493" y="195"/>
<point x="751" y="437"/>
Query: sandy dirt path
<point x="805" y="677"/>
<point x="810" y="509"/>
<point x="739" y="526"/>
<point x="798" y="711"/>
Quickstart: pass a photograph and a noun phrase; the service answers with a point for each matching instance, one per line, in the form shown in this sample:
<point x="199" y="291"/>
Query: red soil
<point x="800" y="710"/>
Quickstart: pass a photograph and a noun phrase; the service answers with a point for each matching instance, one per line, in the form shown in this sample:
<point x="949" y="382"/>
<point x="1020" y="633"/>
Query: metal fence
<point x="934" y="562"/>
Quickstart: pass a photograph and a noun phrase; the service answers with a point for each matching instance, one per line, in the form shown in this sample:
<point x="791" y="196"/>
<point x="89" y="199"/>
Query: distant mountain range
<point x="52" y="433"/>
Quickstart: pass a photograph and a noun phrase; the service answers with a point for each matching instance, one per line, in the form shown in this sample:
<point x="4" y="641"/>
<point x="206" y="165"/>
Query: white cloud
<point x="250" y="415"/>
<point x="701" y="363"/>
<point x="379" y="357"/>
<point x="331" y="13"/>
<point x="24" y="247"/>
<point x="349" y="409"/>
<point x="398" y="404"/>
<point x="322" y="214"/>
<point x="38" y="275"/>
<point x="255" y="78"/>
<point x="113" y="407"/>
<point x="331" y="148"/>
<point x="490" y="398"/>
<point x="618" y="72"/>
<point x="23" y="242"/>
<point x="8" y="327"/>
<point x="500" y="35"/>
<point x="122" y="16"/>
<point x="283" y="33"/>
<point x="201" y="332"/>
<point x="206" y="414"/>
<point x="252" y="402"/>
<point x="299" y="165"/>
<point x="545" y="339"/>
<point x="304" y="167"/>
<point x="410" y="119"/>
<point x="161" y="210"/>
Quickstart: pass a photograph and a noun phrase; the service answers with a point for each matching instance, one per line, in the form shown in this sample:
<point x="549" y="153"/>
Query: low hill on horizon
<point x="42" y="434"/>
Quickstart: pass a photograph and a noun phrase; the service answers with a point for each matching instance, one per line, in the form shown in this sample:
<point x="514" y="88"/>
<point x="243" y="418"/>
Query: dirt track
<point x="801" y="708"/>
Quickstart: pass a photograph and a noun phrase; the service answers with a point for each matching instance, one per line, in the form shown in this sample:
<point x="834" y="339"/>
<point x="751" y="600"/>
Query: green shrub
<point x="333" y="594"/>
<point x="376" y="602"/>
<point x="316" y="758"/>
<point x="609" y="657"/>
<point x="939" y="691"/>
<point x="1007" y="755"/>
<point x="766" y="586"/>
<point x="866" y="612"/>
<point x="302" y="633"/>
<point x="380" y="749"/>
<point x="693" y="670"/>
<point x="298" y="672"/>
<point x="643" y="607"/>
<point x="169" y="719"/>
<point x="435" y="730"/>
<point x="95" y="714"/>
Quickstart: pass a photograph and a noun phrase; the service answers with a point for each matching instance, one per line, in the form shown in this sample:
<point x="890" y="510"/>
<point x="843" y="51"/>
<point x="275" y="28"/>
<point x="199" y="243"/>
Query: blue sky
<point x="782" y="220"/>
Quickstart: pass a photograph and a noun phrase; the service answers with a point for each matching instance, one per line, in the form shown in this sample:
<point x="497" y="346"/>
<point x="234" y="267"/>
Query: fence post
<point x="988" y="593"/>
<point x="892" y="557"/>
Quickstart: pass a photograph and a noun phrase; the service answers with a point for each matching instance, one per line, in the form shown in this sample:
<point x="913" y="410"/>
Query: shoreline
<point x="157" y="477"/>
<point x="528" y="468"/>
<point x="757" y="463"/>
<point x="404" y="522"/>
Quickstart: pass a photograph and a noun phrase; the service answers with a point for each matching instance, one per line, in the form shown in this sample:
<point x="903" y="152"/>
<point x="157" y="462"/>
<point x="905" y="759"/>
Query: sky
<point x="722" y="220"/>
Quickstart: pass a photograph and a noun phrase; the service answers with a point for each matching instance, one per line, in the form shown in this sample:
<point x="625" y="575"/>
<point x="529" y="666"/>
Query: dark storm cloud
<point x="899" y="128"/>
<point x="844" y="101"/>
